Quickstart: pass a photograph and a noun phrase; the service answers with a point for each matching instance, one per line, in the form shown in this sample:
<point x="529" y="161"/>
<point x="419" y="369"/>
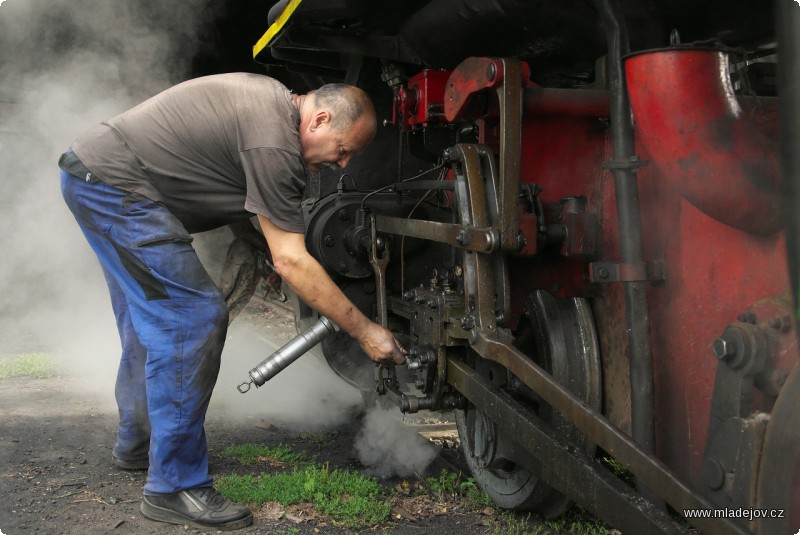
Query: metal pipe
<point x="293" y="350"/>
<point x="623" y="166"/>
<point x="788" y="28"/>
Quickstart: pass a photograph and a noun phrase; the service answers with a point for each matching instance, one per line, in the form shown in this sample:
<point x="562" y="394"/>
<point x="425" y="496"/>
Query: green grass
<point x="619" y="470"/>
<point x="354" y="501"/>
<point x="316" y="438"/>
<point x="453" y="485"/>
<point x="568" y="526"/>
<point x="505" y="523"/>
<point x="251" y="453"/>
<point x="349" y="499"/>
<point x="575" y="522"/>
<point x="36" y="365"/>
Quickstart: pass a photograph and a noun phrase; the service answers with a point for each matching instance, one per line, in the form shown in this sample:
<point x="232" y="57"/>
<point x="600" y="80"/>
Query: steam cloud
<point x="64" y="66"/>
<point x="388" y="447"/>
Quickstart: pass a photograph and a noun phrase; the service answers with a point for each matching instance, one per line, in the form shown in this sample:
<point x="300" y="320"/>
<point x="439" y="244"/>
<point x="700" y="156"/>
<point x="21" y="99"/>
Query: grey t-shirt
<point x="213" y="150"/>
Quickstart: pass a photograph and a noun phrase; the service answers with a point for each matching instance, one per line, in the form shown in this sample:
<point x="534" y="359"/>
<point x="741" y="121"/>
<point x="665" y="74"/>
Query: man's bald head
<point x="347" y="105"/>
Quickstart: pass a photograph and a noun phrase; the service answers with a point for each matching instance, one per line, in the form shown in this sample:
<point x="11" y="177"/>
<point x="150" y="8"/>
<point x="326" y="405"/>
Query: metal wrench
<point x="379" y="264"/>
<point x="384" y="373"/>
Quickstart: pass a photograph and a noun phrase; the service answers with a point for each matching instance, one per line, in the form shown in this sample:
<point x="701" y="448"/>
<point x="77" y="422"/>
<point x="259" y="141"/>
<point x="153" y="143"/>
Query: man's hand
<point x="380" y="345"/>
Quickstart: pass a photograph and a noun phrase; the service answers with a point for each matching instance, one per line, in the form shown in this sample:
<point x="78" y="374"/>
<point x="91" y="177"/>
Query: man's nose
<point x="343" y="161"/>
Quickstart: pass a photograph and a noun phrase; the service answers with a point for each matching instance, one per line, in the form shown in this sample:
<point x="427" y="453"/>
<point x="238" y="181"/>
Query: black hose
<point x="623" y="166"/>
<point x="787" y="18"/>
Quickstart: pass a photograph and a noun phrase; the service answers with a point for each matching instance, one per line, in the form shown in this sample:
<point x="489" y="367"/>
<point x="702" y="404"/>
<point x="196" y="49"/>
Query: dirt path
<point x="56" y="436"/>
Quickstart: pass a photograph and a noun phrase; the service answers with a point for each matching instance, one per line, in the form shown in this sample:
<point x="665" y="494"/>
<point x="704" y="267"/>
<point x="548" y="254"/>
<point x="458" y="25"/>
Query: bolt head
<point x="521" y="242"/>
<point x="713" y="474"/>
<point x="722" y="348"/>
<point x="781" y="323"/>
<point x="491" y="72"/>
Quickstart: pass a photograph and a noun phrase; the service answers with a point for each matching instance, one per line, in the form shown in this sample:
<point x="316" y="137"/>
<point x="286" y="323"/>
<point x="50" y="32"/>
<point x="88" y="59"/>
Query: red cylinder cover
<point x="701" y="135"/>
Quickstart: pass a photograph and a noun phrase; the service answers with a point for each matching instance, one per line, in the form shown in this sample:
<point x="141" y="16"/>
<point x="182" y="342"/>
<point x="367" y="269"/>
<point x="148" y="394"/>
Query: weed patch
<point x="36" y="365"/>
<point x="252" y="453"/>
<point x="619" y="470"/>
<point x="350" y="499"/>
<point x="575" y="522"/>
<point x="315" y="438"/>
<point x="453" y="485"/>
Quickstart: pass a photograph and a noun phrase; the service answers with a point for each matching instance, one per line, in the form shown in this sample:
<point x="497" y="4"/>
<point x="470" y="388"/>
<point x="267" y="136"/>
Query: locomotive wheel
<point x="560" y="337"/>
<point x="779" y="471"/>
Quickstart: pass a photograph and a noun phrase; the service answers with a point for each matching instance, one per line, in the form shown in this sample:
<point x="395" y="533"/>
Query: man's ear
<point x="320" y="117"/>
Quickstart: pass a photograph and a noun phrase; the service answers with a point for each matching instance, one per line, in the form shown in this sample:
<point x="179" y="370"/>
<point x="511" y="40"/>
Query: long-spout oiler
<point x="294" y="349"/>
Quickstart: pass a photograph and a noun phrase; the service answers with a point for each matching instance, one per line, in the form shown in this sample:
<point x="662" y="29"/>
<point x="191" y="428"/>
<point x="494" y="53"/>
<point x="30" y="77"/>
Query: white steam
<point x="388" y="447"/>
<point x="64" y="66"/>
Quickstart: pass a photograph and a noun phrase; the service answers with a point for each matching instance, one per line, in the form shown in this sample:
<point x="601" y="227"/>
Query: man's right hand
<point x="380" y="345"/>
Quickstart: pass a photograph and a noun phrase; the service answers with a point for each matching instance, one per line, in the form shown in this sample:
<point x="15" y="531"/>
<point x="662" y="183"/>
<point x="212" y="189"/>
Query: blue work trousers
<point x="172" y="323"/>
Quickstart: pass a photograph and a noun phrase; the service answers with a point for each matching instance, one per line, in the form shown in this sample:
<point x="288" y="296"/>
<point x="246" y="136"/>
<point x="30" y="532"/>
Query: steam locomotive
<point x="577" y="219"/>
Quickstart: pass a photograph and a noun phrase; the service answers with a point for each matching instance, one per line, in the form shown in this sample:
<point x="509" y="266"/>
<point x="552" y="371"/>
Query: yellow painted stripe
<point x="276" y="27"/>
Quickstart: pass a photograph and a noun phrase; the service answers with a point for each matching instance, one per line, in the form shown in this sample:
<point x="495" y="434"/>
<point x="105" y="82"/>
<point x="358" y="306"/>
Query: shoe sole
<point x="160" y="514"/>
<point x="123" y="464"/>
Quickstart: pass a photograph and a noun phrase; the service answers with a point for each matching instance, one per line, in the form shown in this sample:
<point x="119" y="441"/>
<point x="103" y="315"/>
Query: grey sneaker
<point x="202" y="507"/>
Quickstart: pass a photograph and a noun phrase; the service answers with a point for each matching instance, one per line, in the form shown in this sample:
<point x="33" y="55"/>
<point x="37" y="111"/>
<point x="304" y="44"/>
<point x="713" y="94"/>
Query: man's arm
<point x="313" y="285"/>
